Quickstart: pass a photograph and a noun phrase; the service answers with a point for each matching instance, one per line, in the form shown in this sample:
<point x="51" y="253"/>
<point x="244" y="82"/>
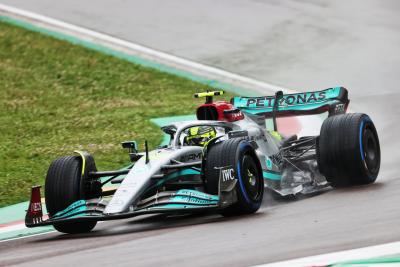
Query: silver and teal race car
<point x="222" y="161"/>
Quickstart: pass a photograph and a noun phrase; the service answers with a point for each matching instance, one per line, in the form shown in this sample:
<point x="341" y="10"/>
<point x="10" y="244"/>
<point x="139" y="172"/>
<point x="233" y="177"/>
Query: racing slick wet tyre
<point x="63" y="187"/>
<point x="348" y="150"/>
<point x="239" y="155"/>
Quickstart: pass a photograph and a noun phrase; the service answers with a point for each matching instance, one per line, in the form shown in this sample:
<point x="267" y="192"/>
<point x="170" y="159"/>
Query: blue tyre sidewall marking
<point x="242" y="188"/>
<point x="365" y="120"/>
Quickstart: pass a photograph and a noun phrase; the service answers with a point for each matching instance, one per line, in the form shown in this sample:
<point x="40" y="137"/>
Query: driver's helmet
<point x="199" y="135"/>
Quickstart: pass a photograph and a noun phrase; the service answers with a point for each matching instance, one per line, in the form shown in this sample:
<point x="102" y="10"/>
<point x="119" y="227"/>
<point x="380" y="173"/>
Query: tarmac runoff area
<point x="338" y="220"/>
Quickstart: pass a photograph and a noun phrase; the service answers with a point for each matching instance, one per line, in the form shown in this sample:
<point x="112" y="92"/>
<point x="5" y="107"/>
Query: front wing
<point x="170" y="202"/>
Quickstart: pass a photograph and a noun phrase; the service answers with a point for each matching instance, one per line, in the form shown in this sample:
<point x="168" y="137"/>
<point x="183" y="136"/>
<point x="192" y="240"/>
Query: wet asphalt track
<point x="296" y="44"/>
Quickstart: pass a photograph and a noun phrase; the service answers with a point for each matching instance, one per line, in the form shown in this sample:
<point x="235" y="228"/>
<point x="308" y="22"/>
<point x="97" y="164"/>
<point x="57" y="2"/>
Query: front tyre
<point x="348" y="150"/>
<point x="63" y="187"/>
<point x="240" y="155"/>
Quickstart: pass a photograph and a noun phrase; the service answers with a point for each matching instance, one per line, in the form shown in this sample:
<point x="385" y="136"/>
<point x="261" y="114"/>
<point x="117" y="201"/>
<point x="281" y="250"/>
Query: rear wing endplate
<point x="333" y="100"/>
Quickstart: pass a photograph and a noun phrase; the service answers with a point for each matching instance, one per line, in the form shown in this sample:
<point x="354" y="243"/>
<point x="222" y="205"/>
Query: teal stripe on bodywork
<point x="272" y="176"/>
<point x="188" y="198"/>
<point x="193" y="200"/>
<point x="175" y="175"/>
<point x="178" y="206"/>
<point x="181" y="173"/>
<point x="70" y="208"/>
<point x="197" y="194"/>
<point x="76" y="207"/>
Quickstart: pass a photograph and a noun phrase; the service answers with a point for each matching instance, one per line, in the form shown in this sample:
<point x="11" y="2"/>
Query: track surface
<point x="298" y="44"/>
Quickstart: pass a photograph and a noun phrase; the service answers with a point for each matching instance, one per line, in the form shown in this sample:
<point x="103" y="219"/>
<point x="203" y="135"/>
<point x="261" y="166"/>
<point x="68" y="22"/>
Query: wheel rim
<point x="371" y="150"/>
<point x="250" y="177"/>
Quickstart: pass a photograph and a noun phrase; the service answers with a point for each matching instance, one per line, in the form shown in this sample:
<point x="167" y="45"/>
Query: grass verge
<point x="56" y="97"/>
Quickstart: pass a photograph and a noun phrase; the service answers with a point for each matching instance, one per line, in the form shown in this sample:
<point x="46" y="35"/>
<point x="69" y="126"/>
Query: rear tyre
<point x="62" y="188"/>
<point x="348" y="150"/>
<point x="239" y="154"/>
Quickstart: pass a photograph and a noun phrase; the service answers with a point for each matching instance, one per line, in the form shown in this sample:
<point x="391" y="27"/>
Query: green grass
<point x="56" y="97"/>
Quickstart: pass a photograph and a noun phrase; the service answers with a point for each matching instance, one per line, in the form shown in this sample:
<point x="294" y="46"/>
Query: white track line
<point x="145" y="52"/>
<point x="335" y="257"/>
<point x="26" y="236"/>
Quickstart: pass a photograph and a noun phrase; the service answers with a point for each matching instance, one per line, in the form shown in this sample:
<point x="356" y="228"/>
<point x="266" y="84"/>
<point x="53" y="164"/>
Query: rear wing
<point x="333" y="100"/>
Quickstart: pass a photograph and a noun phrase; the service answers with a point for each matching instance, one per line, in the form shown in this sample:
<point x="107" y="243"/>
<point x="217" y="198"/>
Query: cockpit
<point x="194" y="134"/>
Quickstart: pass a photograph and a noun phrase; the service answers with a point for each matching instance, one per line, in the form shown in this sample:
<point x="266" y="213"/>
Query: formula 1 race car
<point x="222" y="161"/>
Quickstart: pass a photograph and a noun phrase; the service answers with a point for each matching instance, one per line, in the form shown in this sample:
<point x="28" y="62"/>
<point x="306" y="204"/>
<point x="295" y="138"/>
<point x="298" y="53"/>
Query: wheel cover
<point x="251" y="180"/>
<point x="370" y="148"/>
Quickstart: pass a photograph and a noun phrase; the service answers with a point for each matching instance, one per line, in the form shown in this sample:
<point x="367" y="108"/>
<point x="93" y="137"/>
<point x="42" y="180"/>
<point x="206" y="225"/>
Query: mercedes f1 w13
<point x="221" y="161"/>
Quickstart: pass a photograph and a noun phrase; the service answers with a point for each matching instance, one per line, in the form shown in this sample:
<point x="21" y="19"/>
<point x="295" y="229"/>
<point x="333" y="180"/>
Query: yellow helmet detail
<point x="199" y="135"/>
